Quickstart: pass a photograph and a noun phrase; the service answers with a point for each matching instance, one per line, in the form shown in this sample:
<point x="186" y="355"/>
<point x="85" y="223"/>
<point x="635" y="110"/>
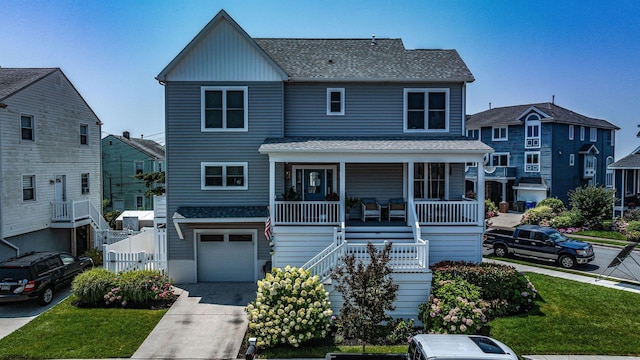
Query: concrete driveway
<point x="206" y="322"/>
<point x="15" y="315"/>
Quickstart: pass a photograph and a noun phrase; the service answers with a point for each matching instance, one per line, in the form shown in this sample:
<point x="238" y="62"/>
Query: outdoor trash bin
<point x="520" y="206"/>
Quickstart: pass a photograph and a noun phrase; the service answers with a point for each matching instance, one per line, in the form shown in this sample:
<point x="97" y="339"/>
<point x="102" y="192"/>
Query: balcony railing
<point x="70" y="210"/>
<point x="443" y="212"/>
<point x="306" y="212"/>
<point x="493" y="171"/>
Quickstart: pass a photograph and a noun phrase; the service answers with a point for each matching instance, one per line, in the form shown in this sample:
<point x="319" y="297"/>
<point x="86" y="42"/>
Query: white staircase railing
<point x="423" y="250"/>
<point x="325" y="261"/>
<point x="71" y="211"/>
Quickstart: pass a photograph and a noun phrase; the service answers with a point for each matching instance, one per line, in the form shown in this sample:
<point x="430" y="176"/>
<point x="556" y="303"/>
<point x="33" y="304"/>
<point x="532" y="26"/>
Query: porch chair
<point x="370" y="209"/>
<point x="397" y="209"/>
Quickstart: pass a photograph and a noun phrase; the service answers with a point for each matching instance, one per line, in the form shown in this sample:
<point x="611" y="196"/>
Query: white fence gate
<point x="121" y="262"/>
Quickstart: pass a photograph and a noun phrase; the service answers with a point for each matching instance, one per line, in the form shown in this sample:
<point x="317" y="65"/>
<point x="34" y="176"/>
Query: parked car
<point x="441" y="346"/>
<point x="37" y="275"/>
<point x="538" y="242"/>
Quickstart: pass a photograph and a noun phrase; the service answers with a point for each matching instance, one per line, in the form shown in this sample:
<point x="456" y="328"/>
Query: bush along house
<point x="321" y="145"/>
<point x="540" y="150"/>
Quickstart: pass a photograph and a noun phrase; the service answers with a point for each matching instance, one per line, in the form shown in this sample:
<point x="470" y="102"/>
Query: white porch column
<point x="343" y="192"/>
<point x="480" y="193"/>
<point x="272" y="189"/>
<point x="410" y="176"/>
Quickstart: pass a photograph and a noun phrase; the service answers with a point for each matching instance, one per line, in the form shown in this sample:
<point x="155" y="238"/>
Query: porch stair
<point x="379" y="234"/>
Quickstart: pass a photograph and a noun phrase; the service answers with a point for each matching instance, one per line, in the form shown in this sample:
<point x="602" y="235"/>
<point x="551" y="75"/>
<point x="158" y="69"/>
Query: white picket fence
<point x="121" y="262"/>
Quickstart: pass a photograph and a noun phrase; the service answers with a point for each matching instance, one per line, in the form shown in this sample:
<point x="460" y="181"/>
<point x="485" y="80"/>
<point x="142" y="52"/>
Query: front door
<point x="60" y="189"/>
<point x="314" y="184"/>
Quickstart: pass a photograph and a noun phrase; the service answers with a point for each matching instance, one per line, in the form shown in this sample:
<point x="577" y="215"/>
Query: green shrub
<point x="539" y="215"/>
<point x="454" y="307"/>
<point x="594" y="204"/>
<point x="145" y="286"/>
<point x="632" y="230"/>
<point x="506" y="290"/>
<point x="91" y="286"/>
<point x="556" y="205"/>
<point x="95" y="255"/>
<point x="566" y="220"/>
<point x="137" y="288"/>
<point x="291" y="307"/>
<point x="632" y="215"/>
<point x="490" y="209"/>
<point x="401" y="332"/>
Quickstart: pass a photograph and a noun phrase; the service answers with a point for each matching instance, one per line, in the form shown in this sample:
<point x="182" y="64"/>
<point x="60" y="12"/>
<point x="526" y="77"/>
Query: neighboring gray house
<point x="287" y="129"/>
<point x="122" y="158"/>
<point x="540" y="150"/>
<point x="626" y="180"/>
<point x="49" y="163"/>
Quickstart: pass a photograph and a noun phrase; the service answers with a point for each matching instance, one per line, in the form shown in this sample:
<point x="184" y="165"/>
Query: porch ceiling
<point x="375" y="147"/>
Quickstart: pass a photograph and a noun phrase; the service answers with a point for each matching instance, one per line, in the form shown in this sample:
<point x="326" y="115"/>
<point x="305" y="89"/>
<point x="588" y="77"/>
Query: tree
<point x="368" y="292"/>
<point x="593" y="204"/>
<point x="154" y="181"/>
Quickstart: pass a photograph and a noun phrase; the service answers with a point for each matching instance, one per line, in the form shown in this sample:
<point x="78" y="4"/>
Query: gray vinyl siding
<point x="456" y="181"/>
<point x="370" y="109"/>
<point x="388" y="184"/>
<point x="187" y="147"/>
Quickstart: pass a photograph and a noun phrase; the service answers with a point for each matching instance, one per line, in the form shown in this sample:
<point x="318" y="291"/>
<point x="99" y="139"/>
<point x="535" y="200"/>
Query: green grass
<point x="65" y="331"/>
<point x="603" y="234"/>
<point x="574" y="318"/>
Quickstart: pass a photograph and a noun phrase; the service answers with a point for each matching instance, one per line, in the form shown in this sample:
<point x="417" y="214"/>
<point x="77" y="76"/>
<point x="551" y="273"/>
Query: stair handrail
<point x="97" y="218"/>
<point x="328" y="253"/>
<point x="417" y="233"/>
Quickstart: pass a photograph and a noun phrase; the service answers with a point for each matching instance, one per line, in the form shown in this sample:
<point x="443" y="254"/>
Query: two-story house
<point x="541" y="150"/>
<point x="49" y="163"/>
<point x="284" y="130"/>
<point x="123" y="157"/>
<point x="626" y="180"/>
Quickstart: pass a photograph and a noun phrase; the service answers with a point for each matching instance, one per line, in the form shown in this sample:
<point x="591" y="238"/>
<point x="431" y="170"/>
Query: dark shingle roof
<point x="631" y="161"/>
<point x="509" y="115"/>
<point x="367" y="144"/>
<point x="213" y="212"/>
<point x="358" y="59"/>
<point x="148" y="147"/>
<point x="13" y="80"/>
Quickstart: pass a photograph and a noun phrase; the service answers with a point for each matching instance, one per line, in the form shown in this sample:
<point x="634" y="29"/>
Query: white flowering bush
<point x="291" y="307"/>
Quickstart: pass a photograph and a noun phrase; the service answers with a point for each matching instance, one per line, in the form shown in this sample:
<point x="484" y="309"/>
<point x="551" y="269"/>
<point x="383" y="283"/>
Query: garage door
<point x="225" y="257"/>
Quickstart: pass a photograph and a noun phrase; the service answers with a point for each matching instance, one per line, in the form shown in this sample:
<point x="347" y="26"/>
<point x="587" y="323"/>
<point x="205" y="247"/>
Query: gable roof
<point x="511" y="115"/>
<point x="13" y="80"/>
<point x="145" y="146"/>
<point x="361" y="59"/>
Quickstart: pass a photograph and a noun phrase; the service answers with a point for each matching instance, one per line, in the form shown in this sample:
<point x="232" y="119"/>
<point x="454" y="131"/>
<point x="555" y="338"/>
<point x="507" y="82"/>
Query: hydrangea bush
<point x="454" y="307"/>
<point x="291" y="307"/>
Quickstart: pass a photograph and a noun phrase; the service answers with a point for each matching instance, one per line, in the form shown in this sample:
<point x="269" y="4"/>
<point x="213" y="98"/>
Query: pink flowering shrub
<point x="454" y="307"/>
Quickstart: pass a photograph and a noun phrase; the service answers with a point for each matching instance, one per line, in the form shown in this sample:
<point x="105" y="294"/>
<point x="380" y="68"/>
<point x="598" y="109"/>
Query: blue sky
<point x="586" y="53"/>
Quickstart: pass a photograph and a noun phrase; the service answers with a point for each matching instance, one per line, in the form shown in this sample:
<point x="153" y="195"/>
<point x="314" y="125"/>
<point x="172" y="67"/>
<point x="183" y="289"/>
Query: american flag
<point x="267" y="228"/>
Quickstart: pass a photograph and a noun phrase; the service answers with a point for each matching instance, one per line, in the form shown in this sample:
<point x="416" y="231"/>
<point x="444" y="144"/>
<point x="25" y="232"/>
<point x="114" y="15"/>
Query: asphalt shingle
<point x="13" y="80"/>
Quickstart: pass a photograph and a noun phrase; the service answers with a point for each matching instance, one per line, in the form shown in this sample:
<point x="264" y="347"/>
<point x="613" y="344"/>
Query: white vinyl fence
<point x="145" y="250"/>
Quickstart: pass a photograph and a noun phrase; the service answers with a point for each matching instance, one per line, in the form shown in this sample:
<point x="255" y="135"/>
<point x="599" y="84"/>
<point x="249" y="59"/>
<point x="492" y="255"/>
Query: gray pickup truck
<point x="538" y="242"/>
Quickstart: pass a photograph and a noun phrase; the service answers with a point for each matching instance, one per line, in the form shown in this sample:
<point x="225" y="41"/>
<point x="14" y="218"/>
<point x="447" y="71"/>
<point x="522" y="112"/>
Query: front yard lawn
<point x="66" y="331"/>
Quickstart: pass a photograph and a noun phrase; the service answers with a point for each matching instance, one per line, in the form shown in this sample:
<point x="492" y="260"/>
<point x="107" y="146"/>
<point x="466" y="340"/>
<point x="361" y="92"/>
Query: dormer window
<point x="426" y="110"/>
<point x="335" y="101"/>
<point x="532" y="132"/>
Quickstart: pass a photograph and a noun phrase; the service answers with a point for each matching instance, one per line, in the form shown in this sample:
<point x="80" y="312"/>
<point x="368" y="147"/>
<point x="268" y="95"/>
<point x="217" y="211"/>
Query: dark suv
<point x="38" y="275"/>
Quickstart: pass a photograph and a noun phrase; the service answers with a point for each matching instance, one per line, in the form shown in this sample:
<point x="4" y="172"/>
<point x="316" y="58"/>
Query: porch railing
<point x="70" y="211"/>
<point x="325" y="261"/>
<point x="442" y="212"/>
<point x="306" y="213"/>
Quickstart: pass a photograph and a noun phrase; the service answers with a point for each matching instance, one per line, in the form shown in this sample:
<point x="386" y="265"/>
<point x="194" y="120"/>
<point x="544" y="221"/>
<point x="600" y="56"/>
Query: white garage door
<point x="225" y="257"/>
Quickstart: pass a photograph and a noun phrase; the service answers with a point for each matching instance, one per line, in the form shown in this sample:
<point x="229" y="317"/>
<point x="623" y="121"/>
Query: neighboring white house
<point x="50" y="164"/>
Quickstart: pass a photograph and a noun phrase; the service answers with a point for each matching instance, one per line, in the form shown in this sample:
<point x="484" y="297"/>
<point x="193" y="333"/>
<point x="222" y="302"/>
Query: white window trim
<point x="82" y="190"/>
<point x="35" y="192"/>
<point x="608" y="180"/>
<point x="33" y="127"/>
<point x="572" y="159"/>
<point x="224" y="89"/>
<point x="426" y="112"/>
<point x="87" y="134"/>
<point x="593" y="134"/>
<point x="613" y="138"/>
<point x="470" y="133"/>
<point x="571" y="132"/>
<point x="245" y="166"/>
<point x="506" y="133"/>
<point x="500" y="154"/>
<point x="332" y="90"/>
<point x="426" y="180"/>
<point x="525" y="161"/>
<point x="581" y="133"/>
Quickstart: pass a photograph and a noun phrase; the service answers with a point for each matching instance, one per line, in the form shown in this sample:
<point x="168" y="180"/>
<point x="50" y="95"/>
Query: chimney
<point x="489" y="106"/>
<point x="373" y="39"/>
<point x="553" y="99"/>
<point x="125" y="134"/>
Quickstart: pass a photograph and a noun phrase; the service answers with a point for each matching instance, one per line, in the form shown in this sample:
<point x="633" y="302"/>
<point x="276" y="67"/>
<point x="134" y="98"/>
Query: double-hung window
<point x="473" y="133"/>
<point x="608" y="182"/>
<point x="138" y="167"/>
<point x="593" y="134"/>
<point x="430" y="180"/>
<point x="532" y="161"/>
<point x="571" y="132"/>
<point x="224" y="176"/>
<point x="335" y="101"/>
<point x="28" y="187"/>
<point x="27" y="127"/>
<point x="84" y="183"/>
<point x="426" y="110"/>
<point x="581" y="133"/>
<point x="499" y="159"/>
<point x="500" y="133"/>
<point x="613" y="138"/>
<point x="84" y="134"/>
<point x="224" y="108"/>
